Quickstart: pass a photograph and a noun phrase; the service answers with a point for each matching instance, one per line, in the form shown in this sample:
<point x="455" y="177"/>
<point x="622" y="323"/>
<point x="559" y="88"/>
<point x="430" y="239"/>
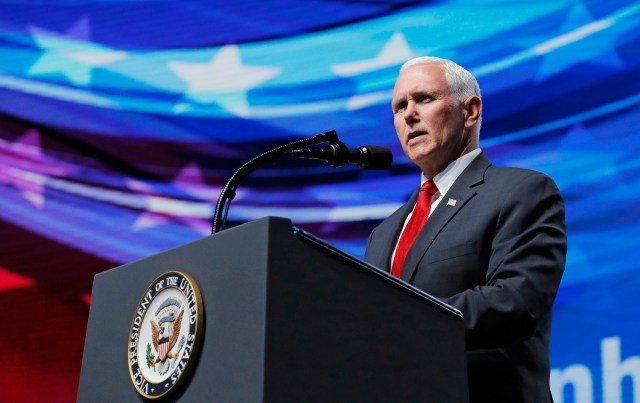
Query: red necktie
<point x="416" y="222"/>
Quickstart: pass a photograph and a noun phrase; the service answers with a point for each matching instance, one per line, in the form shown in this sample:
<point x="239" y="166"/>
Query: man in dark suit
<point x="494" y="243"/>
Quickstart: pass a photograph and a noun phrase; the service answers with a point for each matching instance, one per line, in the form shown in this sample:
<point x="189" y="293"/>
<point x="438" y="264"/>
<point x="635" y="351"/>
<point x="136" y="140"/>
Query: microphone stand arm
<point x="229" y="191"/>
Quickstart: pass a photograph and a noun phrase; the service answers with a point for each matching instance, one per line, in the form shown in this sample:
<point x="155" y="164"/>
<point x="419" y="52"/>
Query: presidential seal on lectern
<point x="165" y="334"/>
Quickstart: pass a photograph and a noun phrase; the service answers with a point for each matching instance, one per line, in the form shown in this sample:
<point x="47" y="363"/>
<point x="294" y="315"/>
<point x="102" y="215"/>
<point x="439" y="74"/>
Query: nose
<point x="410" y="112"/>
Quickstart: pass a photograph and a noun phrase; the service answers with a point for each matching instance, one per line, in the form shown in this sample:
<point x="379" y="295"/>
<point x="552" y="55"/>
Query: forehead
<point x="421" y="78"/>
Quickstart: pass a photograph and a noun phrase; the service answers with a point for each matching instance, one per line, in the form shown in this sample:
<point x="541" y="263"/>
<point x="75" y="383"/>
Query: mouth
<point x="414" y="134"/>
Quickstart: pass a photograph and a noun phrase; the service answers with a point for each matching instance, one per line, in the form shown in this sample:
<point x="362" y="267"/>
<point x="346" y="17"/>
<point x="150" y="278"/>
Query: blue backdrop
<point x="121" y="121"/>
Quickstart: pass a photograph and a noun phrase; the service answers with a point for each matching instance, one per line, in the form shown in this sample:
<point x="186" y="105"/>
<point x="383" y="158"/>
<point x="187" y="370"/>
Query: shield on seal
<point x="163" y="347"/>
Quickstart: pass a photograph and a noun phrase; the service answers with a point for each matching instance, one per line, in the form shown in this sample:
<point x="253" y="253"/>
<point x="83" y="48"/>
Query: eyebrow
<point x="418" y="94"/>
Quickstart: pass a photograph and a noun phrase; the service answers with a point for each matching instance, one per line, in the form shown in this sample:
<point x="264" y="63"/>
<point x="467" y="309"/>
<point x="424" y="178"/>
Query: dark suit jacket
<point x="498" y="256"/>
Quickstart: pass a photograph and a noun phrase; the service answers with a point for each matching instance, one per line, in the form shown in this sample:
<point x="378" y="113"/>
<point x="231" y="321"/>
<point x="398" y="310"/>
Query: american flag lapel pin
<point x="451" y="203"/>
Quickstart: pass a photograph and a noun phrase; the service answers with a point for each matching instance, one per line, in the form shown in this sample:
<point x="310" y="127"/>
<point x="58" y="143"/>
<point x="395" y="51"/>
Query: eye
<point x="399" y="107"/>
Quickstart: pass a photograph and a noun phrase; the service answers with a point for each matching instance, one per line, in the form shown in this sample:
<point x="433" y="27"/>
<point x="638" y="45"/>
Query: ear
<point x="472" y="110"/>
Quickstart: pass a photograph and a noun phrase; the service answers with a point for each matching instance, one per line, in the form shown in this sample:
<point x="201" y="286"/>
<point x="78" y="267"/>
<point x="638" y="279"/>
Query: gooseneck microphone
<point x="337" y="154"/>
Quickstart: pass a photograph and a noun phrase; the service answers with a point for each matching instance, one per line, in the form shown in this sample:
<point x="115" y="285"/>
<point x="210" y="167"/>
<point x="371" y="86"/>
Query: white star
<point x="395" y="51"/>
<point x="223" y="80"/>
<point x="600" y="50"/>
<point x="72" y="53"/>
<point x="162" y="210"/>
<point x="24" y="166"/>
<point x="581" y="39"/>
<point x="191" y="179"/>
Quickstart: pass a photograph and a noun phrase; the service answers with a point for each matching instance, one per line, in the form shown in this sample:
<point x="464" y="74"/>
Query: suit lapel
<point x="462" y="191"/>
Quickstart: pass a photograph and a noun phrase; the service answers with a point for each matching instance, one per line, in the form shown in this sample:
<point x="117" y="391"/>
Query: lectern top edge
<point x="318" y="242"/>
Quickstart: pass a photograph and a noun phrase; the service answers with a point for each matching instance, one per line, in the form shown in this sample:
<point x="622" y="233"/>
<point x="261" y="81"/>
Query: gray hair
<point x="462" y="84"/>
<point x="460" y="81"/>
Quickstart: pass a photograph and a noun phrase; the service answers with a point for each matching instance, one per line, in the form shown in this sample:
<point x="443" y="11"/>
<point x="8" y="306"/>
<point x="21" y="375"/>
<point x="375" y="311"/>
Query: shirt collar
<point x="444" y="180"/>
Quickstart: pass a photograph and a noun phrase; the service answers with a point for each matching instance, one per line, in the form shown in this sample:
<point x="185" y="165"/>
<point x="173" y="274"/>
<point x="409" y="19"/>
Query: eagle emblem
<point x="165" y="332"/>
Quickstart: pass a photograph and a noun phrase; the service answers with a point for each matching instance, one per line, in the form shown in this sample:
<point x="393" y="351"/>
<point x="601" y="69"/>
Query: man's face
<point x="429" y="121"/>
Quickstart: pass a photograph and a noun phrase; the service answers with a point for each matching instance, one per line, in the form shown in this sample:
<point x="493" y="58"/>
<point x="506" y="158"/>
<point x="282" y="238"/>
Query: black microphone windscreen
<point x="375" y="157"/>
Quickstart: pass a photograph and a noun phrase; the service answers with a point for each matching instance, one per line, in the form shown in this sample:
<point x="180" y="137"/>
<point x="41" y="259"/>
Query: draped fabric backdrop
<point x="120" y="121"/>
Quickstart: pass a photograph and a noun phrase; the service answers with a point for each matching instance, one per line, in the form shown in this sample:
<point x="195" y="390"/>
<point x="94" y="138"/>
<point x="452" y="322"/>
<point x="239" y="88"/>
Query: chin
<point x="419" y="156"/>
<point x="420" y="161"/>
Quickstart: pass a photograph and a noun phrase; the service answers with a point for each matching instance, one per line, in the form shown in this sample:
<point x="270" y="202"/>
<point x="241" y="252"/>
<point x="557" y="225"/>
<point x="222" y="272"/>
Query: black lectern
<point x="287" y="318"/>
